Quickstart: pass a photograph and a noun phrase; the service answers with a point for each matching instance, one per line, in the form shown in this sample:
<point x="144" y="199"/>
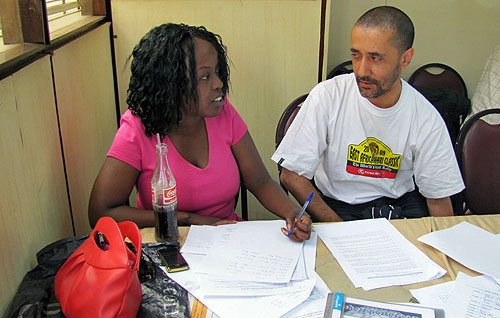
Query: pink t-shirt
<point x="210" y="191"/>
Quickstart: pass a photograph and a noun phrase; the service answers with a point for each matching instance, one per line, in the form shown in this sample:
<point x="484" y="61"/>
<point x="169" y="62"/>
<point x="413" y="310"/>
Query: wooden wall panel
<point x="273" y="46"/>
<point x="12" y="30"/>
<point x="34" y="208"/>
<point x="87" y="113"/>
<point x="23" y="21"/>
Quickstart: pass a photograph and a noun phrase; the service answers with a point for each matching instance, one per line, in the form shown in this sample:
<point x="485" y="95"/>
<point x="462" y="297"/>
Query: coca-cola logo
<point x="169" y="195"/>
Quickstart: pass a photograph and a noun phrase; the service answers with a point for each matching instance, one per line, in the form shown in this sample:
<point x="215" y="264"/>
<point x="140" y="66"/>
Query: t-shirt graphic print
<point x="372" y="158"/>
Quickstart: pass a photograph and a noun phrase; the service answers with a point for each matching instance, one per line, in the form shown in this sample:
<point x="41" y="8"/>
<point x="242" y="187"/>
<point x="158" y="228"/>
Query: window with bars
<point x="31" y="22"/>
<point x="59" y="8"/>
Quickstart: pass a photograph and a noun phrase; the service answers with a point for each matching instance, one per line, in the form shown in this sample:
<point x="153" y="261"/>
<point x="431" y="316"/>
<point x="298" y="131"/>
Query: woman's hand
<point x="222" y="222"/>
<point x="302" y="230"/>
<point x="266" y="190"/>
<point x="190" y="218"/>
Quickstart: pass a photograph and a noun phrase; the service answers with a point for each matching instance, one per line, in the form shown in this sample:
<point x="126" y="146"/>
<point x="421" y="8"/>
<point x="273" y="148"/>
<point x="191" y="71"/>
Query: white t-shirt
<point x="487" y="93"/>
<point x="358" y="152"/>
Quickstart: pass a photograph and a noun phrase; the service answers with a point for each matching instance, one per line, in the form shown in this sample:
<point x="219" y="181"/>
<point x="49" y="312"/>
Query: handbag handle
<point x="116" y="255"/>
<point x="129" y="229"/>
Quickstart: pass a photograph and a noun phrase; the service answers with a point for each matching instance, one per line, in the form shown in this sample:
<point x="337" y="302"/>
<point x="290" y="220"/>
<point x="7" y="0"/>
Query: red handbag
<point x="101" y="280"/>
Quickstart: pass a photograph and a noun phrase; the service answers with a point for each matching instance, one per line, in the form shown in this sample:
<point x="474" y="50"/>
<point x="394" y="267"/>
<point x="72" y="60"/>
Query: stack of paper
<point x="250" y="269"/>
<point x="471" y="297"/>
<point x="465" y="297"/>
<point x="374" y="254"/>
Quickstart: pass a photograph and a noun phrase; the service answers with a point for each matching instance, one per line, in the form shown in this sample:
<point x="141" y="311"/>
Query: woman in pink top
<point x="178" y="90"/>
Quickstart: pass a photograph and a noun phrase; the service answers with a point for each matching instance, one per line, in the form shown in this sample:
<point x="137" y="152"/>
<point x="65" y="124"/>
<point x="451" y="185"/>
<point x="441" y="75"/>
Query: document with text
<point x="229" y="295"/>
<point x="253" y="251"/>
<point x="466" y="296"/>
<point x="474" y="297"/>
<point x="435" y="296"/>
<point x="374" y="254"/>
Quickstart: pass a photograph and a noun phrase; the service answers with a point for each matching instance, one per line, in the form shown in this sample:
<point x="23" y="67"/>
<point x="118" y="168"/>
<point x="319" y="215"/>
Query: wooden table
<point x="330" y="271"/>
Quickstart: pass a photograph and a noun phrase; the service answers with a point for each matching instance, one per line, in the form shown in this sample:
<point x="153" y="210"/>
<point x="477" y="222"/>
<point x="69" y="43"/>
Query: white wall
<point x="459" y="33"/>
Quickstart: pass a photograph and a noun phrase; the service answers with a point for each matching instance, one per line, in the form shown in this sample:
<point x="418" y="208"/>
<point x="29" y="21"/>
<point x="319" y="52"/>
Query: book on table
<point x="338" y="305"/>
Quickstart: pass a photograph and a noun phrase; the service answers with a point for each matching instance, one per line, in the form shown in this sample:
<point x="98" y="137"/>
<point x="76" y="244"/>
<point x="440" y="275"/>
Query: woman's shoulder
<point x="131" y="121"/>
<point x="228" y="108"/>
<point x="229" y="122"/>
<point x="228" y="113"/>
<point x="129" y="116"/>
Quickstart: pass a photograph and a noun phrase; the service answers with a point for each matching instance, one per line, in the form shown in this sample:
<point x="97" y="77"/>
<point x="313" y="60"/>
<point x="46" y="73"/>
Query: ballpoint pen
<point x="301" y="213"/>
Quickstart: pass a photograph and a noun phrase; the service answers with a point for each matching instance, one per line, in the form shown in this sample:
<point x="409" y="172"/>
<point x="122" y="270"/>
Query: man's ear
<point x="406" y="58"/>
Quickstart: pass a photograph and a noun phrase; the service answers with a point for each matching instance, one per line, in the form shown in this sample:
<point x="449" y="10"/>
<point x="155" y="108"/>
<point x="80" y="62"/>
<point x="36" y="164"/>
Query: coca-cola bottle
<point x="164" y="192"/>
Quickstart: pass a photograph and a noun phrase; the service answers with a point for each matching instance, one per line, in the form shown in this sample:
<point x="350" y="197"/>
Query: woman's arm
<point x="112" y="189"/>
<point x="110" y="195"/>
<point x="300" y="187"/>
<point x="268" y="191"/>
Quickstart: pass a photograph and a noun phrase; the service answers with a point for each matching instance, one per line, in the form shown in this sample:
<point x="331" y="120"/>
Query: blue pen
<point x="301" y="213"/>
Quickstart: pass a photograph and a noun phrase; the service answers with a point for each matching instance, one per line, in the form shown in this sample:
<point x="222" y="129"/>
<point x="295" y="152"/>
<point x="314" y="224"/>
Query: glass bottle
<point x="164" y="194"/>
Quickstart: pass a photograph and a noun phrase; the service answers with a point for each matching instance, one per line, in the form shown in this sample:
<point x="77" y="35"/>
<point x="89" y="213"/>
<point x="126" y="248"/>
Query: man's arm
<point x="440" y="207"/>
<point x="300" y="187"/>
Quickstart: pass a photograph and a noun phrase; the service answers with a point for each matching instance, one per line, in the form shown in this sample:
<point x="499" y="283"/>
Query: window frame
<point x="27" y="31"/>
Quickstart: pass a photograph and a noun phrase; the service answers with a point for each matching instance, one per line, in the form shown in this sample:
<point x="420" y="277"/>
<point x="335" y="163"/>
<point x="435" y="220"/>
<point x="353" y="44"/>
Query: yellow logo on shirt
<point x="372" y="158"/>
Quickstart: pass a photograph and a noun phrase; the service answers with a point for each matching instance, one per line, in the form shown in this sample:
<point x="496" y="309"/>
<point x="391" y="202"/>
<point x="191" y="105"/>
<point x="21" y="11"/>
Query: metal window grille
<point x="59" y="8"/>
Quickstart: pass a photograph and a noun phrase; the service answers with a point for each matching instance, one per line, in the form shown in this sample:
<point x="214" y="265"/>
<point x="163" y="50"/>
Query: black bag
<point x="161" y="296"/>
<point x="451" y="104"/>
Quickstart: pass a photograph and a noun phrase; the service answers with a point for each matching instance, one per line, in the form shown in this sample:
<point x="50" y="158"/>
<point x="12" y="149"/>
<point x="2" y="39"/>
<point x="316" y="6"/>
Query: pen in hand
<point x="300" y="213"/>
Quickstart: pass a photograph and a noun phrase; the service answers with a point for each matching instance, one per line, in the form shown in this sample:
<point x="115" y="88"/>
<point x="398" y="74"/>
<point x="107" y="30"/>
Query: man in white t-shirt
<point x="365" y="137"/>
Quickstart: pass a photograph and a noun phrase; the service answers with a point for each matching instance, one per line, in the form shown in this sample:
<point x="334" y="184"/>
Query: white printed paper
<point x="374" y="254"/>
<point x="474" y="297"/>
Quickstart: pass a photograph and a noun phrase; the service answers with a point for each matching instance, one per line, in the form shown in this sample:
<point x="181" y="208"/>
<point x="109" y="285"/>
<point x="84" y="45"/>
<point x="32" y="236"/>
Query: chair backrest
<point x="445" y="77"/>
<point x="242" y="191"/>
<point x="287" y="118"/>
<point x="478" y="154"/>
<point x="342" y="68"/>
<point x="284" y="123"/>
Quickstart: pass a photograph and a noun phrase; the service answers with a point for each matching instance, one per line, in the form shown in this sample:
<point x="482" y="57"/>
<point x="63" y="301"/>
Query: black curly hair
<point x="159" y="86"/>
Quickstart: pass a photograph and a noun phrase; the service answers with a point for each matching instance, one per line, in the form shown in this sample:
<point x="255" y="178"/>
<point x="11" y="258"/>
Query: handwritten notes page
<point x="435" y="296"/>
<point x="374" y="254"/>
<point x="474" y="297"/>
<point x="469" y="245"/>
<point x="314" y="306"/>
<point x="199" y="239"/>
<point x="251" y="250"/>
<point x="465" y="297"/>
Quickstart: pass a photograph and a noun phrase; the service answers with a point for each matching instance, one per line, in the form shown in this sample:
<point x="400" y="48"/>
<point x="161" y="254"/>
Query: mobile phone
<point x="172" y="259"/>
